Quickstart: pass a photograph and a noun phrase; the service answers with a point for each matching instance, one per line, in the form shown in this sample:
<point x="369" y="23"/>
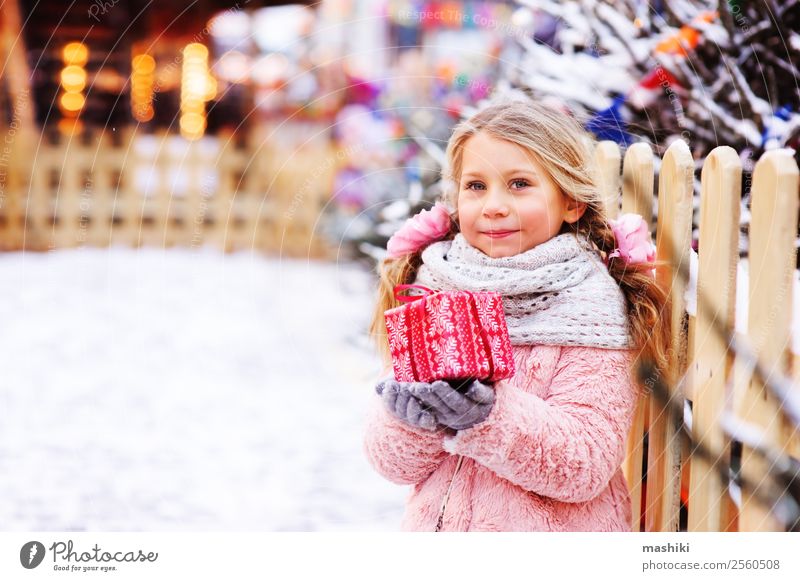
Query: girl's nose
<point x="495" y="205"/>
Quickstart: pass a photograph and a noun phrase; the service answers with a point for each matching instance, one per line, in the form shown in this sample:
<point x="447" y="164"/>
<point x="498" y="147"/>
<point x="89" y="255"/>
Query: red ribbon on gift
<point x="410" y="298"/>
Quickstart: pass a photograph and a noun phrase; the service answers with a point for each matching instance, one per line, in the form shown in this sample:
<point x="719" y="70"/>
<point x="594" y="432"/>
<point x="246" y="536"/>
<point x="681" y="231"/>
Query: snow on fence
<point x="262" y="190"/>
<point x="705" y="377"/>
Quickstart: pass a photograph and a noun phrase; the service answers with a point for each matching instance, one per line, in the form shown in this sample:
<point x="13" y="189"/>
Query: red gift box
<point x="449" y="335"/>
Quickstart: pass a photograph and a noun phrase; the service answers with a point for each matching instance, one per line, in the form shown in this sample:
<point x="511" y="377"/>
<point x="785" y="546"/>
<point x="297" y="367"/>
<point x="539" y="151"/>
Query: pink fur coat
<point x="546" y="459"/>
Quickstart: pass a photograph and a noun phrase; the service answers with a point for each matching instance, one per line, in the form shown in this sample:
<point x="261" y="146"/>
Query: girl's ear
<point x="574" y="210"/>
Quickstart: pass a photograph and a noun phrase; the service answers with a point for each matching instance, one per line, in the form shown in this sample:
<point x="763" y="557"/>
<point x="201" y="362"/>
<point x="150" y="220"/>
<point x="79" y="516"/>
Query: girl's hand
<point x="455" y="409"/>
<point x="402" y="404"/>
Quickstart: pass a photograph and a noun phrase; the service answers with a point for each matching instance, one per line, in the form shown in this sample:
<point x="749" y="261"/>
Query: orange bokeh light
<point x="72" y="101"/>
<point x="143" y="64"/>
<point x="73" y="78"/>
<point x="75" y="53"/>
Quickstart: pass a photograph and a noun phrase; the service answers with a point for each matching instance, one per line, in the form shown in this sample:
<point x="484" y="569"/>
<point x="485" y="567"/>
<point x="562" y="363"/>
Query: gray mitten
<point x="400" y="402"/>
<point x="455" y="409"/>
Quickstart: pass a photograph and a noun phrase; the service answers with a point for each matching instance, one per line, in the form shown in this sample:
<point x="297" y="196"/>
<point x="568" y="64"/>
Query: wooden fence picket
<point x="608" y="158"/>
<point x="637" y="197"/>
<point x="673" y="240"/>
<point x="711" y="359"/>
<point x="773" y="230"/>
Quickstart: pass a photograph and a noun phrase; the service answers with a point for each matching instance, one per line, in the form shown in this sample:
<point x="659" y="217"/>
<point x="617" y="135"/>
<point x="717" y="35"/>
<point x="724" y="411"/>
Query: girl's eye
<point x="470" y="184"/>
<point x="524" y="183"/>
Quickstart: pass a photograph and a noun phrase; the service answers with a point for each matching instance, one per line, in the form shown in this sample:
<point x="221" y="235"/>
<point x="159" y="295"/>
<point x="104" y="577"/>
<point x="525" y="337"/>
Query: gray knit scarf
<point x="557" y="293"/>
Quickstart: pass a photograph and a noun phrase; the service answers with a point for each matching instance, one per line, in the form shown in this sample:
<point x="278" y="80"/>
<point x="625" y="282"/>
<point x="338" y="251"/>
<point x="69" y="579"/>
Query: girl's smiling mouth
<point x="499" y="233"/>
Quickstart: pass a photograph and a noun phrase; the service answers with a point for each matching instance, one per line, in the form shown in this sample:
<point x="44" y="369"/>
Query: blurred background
<point x="194" y="197"/>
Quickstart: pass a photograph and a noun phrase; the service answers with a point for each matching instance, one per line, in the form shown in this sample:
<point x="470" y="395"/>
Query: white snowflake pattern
<point x="487" y="305"/>
<point x="396" y="330"/>
<point x="439" y="313"/>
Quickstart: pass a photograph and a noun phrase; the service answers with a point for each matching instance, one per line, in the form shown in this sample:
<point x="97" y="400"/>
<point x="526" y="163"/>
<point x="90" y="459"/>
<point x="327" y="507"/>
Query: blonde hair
<point x="565" y="150"/>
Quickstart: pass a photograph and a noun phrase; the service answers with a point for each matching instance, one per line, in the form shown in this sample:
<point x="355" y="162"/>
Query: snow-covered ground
<point x="155" y="390"/>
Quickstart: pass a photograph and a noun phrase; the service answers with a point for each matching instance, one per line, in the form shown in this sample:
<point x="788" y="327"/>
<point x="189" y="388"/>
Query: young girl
<point x="540" y="451"/>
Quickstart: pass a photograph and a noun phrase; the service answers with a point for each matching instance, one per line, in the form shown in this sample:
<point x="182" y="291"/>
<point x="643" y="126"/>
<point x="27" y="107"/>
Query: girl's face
<point x="507" y="203"/>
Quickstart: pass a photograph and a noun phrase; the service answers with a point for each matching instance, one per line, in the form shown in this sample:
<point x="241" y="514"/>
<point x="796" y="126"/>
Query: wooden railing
<point x="263" y="190"/>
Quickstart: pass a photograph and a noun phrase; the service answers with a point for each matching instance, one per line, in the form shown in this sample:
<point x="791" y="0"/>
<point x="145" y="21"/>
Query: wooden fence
<point x="703" y="371"/>
<point x="263" y="190"/>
